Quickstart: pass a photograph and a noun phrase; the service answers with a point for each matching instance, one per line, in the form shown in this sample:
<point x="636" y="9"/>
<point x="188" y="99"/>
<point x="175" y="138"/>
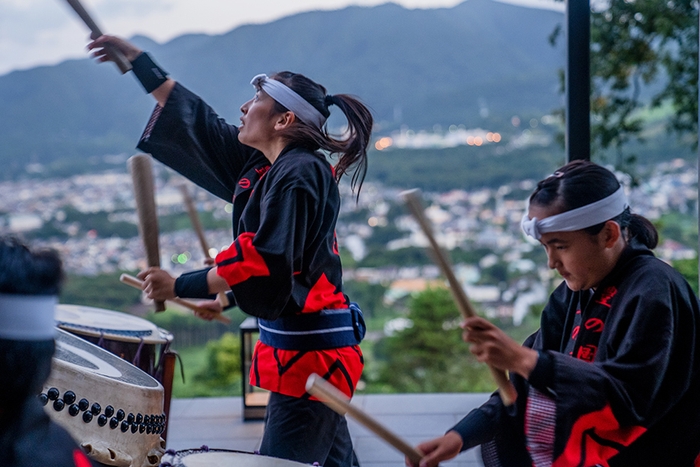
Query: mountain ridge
<point x="413" y="68"/>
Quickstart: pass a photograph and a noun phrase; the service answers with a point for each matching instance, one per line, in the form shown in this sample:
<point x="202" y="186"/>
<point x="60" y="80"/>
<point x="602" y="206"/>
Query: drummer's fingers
<point x="440" y="449"/>
<point x="143" y="275"/>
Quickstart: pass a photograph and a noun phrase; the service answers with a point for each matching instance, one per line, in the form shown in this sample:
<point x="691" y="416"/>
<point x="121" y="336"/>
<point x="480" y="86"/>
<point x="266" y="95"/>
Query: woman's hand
<point x="492" y="346"/>
<point x="438" y="450"/>
<point x="212" y="305"/>
<point x="100" y="48"/>
<point x="158" y="284"/>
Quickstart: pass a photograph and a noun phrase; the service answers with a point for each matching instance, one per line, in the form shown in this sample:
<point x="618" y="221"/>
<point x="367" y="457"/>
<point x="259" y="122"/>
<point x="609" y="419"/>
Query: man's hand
<point x="438" y="450"/>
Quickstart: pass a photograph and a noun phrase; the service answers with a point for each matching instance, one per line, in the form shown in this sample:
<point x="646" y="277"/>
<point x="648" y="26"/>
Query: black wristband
<point x="193" y="285"/>
<point x="231" y="300"/>
<point x="149" y="74"/>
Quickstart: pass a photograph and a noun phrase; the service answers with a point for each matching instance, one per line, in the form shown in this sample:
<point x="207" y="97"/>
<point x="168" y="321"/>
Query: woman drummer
<point x="612" y="376"/>
<point x="283" y="265"/>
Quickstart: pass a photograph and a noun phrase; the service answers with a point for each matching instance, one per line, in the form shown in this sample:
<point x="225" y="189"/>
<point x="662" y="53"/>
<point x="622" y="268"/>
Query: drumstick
<point x="336" y="400"/>
<point x="122" y="62"/>
<point x="144" y="194"/>
<point x="138" y="284"/>
<point x="414" y="204"/>
<point x="194" y="218"/>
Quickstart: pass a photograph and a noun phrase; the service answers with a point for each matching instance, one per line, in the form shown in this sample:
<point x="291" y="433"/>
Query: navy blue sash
<point x="327" y="329"/>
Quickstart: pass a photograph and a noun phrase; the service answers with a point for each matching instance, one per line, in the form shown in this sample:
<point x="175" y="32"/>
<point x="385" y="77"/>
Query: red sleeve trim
<point x="241" y="261"/>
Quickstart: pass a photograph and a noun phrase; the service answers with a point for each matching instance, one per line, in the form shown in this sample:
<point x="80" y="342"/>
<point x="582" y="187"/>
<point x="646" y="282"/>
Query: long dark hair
<point x="580" y="183"/>
<point x="352" y="150"/>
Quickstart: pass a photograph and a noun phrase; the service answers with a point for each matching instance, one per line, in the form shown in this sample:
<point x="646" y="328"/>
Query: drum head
<point x="113" y="325"/>
<point x="226" y="458"/>
<point x="88" y="359"/>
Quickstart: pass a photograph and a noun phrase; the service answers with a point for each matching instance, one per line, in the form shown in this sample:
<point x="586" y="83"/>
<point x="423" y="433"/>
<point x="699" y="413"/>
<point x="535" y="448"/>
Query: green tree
<point x="430" y="356"/>
<point x="635" y="44"/>
<point x="101" y="291"/>
<point x="223" y="367"/>
<point x="689" y="270"/>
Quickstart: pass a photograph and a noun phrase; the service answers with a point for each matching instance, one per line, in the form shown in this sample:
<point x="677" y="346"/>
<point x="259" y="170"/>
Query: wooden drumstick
<point x="144" y="194"/>
<point x="414" y="204"/>
<point x="138" y="284"/>
<point x="122" y="62"/>
<point x="336" y="400"/>
<point x="194" y="218"/>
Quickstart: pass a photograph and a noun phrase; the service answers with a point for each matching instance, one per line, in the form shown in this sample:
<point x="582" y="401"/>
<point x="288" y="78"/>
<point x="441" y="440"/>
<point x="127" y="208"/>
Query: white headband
<point x="27" y="317"/>
<point x="579" y="218"/>
<point x="306" y="112"/>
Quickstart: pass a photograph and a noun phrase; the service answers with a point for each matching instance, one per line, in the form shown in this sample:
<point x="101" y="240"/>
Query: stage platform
<point x="217" y="423"/>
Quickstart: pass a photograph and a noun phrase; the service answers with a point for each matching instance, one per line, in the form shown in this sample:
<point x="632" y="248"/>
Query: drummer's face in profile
<point x="577" y="256"/>
<point x="258" y="121"/>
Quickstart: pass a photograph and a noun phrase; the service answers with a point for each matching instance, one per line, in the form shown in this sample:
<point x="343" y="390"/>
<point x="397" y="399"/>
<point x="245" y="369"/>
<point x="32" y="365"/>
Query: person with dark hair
<point x="283" y="266"/>
<point x="29" y="285"/>
<point x="612" y="376"/>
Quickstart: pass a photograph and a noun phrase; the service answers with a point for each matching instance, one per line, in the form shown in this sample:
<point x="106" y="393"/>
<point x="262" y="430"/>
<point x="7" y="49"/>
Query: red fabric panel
<point x="80" y="459"/>
<point x="583" y="449"/>
<point x="323" y="296"/>
<point x="247" y="262"/>
<point x="286" y="371"/>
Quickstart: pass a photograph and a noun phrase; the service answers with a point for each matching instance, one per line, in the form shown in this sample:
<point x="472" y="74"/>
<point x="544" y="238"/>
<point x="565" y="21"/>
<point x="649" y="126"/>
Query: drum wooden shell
<point x="226" y="458"/>
<point x="112" y="409"/>
<point x="131" y="338"/>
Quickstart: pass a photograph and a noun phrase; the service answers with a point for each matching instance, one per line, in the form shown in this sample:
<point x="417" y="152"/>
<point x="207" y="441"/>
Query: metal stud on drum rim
<point x="94" y="378"/>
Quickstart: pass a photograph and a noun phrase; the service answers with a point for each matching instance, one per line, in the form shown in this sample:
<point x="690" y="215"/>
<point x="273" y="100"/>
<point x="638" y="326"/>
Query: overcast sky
<point x="45" y="32"/>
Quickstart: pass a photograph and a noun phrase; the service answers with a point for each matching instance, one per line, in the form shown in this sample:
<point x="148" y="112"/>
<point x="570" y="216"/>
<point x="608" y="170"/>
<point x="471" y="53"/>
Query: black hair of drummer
<point x="580" y="183"/>
<point x="28" y="438"/>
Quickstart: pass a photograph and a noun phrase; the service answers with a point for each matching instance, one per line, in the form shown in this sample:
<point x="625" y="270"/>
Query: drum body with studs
<point x="113" y="409"/>
<point x="134" y="339"/>
<point x="225" y="458"/>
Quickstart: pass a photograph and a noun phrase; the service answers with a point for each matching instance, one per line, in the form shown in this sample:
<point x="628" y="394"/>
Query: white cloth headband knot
<point x="306" y="112"/>
<point x="579" y="218"/>
<point x="27" y="317"/>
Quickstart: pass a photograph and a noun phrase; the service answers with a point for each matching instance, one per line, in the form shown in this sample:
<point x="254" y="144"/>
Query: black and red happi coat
<point x="284" y="259"/>
<point x="617" y="382"/>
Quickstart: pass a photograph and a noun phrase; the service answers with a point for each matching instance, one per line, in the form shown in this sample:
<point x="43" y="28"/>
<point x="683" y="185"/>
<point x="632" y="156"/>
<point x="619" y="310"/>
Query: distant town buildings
<point x="485" y="219"/>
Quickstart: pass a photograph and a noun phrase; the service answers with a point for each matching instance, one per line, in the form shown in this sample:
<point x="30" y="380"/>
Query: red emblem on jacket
<point x="587" y="352"/>
<point x="607" y="295"/>
<point x="594" y="325"/>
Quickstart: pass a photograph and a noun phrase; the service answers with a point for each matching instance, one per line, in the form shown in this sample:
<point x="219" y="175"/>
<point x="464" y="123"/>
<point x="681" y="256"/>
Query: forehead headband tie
<point x="306" y="112"/>
<point x="579" y="218"/>
<point x="27" y="317"/>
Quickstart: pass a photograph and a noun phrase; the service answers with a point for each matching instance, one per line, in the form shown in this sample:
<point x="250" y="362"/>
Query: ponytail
<point x="641" y="229"/>
<point x="351" y="150"/>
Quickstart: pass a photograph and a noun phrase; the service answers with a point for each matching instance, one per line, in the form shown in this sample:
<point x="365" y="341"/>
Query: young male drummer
<point x="29" y="285"/>
<point x="612" y="376"/>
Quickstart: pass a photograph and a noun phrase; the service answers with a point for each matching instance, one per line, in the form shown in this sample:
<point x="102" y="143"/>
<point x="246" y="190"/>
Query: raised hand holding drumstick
<point x="117" y="56"/>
